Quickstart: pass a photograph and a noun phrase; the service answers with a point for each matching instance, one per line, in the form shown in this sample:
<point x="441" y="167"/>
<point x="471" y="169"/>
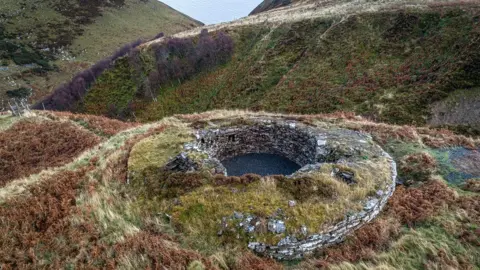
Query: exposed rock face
<point x="312" y="148"/>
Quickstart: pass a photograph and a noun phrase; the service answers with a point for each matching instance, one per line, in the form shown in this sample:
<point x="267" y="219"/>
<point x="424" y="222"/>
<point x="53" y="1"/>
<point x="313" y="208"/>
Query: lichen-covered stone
<point x="289" y="216"/>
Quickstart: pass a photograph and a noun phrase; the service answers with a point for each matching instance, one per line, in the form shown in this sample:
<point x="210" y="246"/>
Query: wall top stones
<point x="311" y="147"/>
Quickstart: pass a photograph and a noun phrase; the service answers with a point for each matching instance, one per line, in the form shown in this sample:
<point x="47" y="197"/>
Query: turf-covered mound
<point x="344" y="181"/>
<point x="92" y="213"/>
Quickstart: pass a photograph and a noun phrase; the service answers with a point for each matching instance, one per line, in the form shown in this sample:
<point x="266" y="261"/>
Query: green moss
<point x="112" y="92"/>
<point x="150" y="154"/>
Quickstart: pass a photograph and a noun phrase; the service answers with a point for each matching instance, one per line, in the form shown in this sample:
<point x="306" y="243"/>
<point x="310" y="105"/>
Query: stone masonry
<point x="308" y="146"/>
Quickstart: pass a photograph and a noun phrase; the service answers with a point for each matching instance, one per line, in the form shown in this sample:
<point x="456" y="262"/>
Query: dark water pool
<point x="261" y="164"/>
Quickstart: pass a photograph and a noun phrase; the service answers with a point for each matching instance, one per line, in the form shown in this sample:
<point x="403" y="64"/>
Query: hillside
<point x="376" y="104"/>
<point x="390" y="61"/>
<point x="270" y="4"/>
<point x="44" y="43"/>
<point x="81" y="202"/>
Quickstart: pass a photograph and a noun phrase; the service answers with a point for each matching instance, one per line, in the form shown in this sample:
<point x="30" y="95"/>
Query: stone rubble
<point x="310" y="147"/>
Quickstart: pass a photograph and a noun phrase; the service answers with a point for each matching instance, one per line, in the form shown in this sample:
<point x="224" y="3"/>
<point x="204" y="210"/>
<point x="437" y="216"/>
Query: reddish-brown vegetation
<point x="250" y="261"/>
<point x="470" y="205"/>
<point x="407" y="206"/>
<point x="98" y="124"/>
<point x="417" y="167"/>
<point x="438" y="138"/>
<point x="472" y="185"/>
<point x="413" y="205"/>
<point x="159" y="253"/>
<point x="37" y="231"/>
<point x="222" y="180"/>
<point x="383" y="133"/>
<point x="364" y="243"/>
<point x="34" y="226"/>
<point x="29" y="147"/>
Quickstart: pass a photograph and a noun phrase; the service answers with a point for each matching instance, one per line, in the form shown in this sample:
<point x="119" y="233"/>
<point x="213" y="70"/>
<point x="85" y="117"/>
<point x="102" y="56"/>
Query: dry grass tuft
<point x="440" y="138"/>
<point x="29" y="147"/>
<point x="471" y="206"/>
<point x="383" y="133"/>
<point x="158" y="252"/>
<point x="98" y="124"/>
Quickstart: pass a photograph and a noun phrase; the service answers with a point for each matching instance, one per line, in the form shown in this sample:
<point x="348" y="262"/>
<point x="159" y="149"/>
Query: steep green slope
<point x="43" y="43"/>
<point x="388" y="65"/>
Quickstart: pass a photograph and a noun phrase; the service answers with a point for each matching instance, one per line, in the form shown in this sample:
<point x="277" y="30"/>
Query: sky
<point x="214" y="11"/>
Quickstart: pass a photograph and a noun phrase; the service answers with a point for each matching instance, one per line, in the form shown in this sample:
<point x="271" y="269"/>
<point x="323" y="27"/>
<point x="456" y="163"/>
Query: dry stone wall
<point x="308" y="146"/>
<point x="290" y="248"/>
<point x="298" y="145"/>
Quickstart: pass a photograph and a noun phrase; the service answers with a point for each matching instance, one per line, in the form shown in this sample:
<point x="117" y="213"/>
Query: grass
<point x="99" y="125"/>
<point x="6" y="121"/>
<point x="432" y="240"/>
<point x="143" y="20"/>
<point x="154" y="152"/>
<point x="428" y="248"/>
<point x="86" y="215"/>
<point x="75" y="37"/>
<point x="317" y="66"/>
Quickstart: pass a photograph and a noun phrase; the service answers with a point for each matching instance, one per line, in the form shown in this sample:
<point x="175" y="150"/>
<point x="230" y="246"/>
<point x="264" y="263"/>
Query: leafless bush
<point x="18" y="106"/>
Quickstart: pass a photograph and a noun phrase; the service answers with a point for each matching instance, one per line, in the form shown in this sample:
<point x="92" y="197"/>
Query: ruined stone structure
<point x="290" y="248"/>
<point x="309" y="146"/>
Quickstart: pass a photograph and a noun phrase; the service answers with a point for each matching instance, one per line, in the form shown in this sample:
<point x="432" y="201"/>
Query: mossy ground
<point x="152" y="153"/>
<point x="99" y="220"/>
<point x="198" y="202"/>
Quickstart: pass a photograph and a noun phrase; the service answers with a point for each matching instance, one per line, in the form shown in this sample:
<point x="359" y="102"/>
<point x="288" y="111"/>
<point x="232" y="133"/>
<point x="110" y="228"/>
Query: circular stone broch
<point x="344" y="181"/>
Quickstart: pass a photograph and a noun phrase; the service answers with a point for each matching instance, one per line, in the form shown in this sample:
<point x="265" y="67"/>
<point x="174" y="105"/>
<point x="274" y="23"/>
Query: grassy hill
<point x="43" y="43"/>
<point x="86" y="191"/>
<point x="391" y="65"/>
<point x="74" y="204"/>
<point x="270" y="4"/>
